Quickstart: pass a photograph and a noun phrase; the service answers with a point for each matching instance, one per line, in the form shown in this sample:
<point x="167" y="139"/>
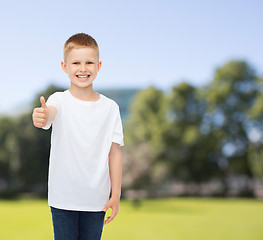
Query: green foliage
<point x="189" y="133"/>
<point x="143" y="132"/>
<point x="34" y="154"/>
<point x="256" y="111"/>
<point x="231" y="95"/>
<point x="24" y="153"/>
<point x="147" y="119"/>
<point x="198" y="133"/>
<point x="187" y="150"/>
<point x="255" y="160"/>
<point x="8" y="148"/>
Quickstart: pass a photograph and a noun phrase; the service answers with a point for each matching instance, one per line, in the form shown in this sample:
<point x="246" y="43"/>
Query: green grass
<point x="178" y="218"/>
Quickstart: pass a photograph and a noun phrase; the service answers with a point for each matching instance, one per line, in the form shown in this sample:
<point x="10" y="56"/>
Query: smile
<point x="83" y="77"/>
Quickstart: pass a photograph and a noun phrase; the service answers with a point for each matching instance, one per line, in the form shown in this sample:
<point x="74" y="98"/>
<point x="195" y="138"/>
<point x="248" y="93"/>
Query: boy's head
<point x="80" y="40"/>
<point x="81" y="60"/>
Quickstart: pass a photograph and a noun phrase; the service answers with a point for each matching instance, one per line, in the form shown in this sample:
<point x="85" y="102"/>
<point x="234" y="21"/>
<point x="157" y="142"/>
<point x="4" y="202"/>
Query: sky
<point x="141" y="42"/>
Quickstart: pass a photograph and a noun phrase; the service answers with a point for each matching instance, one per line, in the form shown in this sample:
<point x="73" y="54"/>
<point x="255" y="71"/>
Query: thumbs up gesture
<point x="40" y="115"/>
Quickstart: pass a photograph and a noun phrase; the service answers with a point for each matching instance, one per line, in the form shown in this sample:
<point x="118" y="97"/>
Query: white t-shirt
<point x="82" y="135"/>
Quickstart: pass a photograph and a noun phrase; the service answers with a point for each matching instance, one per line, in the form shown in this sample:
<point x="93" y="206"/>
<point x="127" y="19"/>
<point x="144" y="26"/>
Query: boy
<point x="85" y="156"/>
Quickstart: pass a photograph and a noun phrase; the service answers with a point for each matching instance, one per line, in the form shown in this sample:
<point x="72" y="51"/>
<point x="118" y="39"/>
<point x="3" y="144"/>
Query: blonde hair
<point x="80" y="40"/>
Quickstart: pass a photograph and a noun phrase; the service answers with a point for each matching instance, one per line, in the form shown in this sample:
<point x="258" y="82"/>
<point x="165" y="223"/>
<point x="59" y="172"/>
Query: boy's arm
<point x="115" y="166"/>
<point x="43" y="115"/>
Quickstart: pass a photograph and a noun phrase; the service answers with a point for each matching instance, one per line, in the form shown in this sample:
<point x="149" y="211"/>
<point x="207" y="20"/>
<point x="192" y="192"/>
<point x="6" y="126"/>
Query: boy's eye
<point x="76" y="63"/>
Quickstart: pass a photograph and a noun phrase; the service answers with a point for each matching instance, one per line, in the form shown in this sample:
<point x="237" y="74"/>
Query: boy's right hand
<point x="40" y="115"/>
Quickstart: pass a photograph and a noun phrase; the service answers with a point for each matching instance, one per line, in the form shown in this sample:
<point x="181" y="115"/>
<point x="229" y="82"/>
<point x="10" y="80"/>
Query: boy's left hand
<point x="113" y="203"/>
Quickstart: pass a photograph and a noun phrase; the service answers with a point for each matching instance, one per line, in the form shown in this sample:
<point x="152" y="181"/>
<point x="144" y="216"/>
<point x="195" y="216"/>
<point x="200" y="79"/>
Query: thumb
<point x="43" y="102"/>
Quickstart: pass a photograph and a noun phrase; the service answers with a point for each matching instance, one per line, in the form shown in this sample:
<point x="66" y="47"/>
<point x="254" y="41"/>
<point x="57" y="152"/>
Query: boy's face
<point x="82" y="66"/>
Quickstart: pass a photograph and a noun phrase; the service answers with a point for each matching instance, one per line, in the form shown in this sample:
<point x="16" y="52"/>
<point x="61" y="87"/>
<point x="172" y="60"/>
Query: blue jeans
<point x="77" y="225"/>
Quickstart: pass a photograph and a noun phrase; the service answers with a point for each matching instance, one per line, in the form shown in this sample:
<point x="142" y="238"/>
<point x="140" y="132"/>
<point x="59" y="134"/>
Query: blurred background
<point x="187" y="75"/>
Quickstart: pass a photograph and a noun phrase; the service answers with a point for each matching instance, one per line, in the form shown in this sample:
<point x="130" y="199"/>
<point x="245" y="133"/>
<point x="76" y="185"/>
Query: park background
<point x="189" y="82"/>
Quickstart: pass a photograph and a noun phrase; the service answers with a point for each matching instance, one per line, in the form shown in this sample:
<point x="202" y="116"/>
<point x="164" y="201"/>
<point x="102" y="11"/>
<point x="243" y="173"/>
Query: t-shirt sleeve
<point x="53" y="100"/>
<point x="118" y="131"/>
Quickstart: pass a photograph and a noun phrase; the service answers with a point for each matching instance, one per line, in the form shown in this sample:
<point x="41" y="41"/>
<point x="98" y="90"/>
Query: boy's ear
<point x="64" y="67"/>
<point x="99" y="65"/>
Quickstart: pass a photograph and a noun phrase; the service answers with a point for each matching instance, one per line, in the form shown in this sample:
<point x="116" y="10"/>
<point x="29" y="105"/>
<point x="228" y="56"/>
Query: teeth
<point x="85" y="76"/>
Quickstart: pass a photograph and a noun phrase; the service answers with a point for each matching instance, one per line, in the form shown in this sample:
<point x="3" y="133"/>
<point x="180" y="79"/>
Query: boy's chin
<point x="81" y="84"/>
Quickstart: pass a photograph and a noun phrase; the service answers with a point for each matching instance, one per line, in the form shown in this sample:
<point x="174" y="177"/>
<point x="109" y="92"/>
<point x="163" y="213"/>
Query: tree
<point x="143" y="139"/>
<point x="188" y="143"/>
<point x="255" y="155"/>
<point x="147" y="119"/>
<point x="9" y="162"/>
<point x="34" y="145"/>
<point x="230" y="96"/>
<point x="24" y="151"/>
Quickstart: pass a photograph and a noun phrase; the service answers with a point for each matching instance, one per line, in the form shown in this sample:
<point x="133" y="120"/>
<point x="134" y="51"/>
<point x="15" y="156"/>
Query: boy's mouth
<point x="83" y="77"/>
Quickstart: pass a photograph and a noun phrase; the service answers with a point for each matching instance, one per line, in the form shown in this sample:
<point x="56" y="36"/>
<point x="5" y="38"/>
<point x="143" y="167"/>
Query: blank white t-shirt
<point x="82" y="135"/>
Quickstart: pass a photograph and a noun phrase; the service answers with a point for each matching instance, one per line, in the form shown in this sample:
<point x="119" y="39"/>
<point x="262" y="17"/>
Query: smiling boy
<point x="85" y="156"/>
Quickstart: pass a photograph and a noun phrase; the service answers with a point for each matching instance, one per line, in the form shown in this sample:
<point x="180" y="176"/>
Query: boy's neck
<point x="84" y="94"/>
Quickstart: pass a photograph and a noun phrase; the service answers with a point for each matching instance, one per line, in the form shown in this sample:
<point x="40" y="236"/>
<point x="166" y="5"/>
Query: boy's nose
<point x="83" y="68"/>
